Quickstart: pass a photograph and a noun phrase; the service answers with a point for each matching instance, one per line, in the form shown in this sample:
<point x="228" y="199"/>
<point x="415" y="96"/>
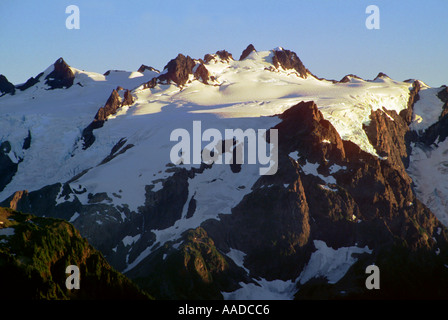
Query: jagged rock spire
<point x="250" y="48"/>
<point x="62" y="76"/>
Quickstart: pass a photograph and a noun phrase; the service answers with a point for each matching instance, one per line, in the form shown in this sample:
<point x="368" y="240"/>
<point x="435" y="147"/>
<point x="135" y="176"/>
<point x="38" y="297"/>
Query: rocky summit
<point x="86" y="161"/>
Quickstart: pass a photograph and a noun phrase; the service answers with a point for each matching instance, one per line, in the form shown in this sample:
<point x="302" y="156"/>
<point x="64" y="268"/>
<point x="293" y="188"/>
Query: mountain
<point x="355" y="175"/>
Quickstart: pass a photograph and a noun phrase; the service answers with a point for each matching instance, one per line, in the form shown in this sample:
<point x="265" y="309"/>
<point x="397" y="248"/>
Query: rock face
<point x="143" y="68"/>
<point x="381" y="75"/>
<point x="6" y="86"/>
<point x="30" y="82"/>
<point x="114" y="102"/>
<point x="407" y="113"/>
<point x="224" y="55"/>
<point x="347" y="78"/>
<point x="128" y="98"/>
<point x="178" y="70"/>
<point x="202" y="73"/>
<point x="250" y="48"/>
<point x="111" y="107"/>
<point x="289" y="60"/>
<point x="61" y="77"/>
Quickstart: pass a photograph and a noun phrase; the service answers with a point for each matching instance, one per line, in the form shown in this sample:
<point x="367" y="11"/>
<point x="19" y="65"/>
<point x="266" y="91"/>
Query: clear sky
<point x="329" y="36"/>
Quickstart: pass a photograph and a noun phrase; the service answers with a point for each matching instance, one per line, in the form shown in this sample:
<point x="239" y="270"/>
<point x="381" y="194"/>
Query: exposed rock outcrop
<point x="224" y="55"/>
<point x="30" y="82"/>
<point x="407" y="113"/>
<point x="250" y="48"/>
<point x="348" y="77"/>
<point x="289" y="60"/>
<point x="6" y="86"/>
<point x="381" y="75"/>
<point x="61" y="77"/>
<point x="110" y="108"/>
<point x="113" y="104"/>
<point x="178" y="70"/>
<point x="144" y="68"/>
<point x="202" y="73"/>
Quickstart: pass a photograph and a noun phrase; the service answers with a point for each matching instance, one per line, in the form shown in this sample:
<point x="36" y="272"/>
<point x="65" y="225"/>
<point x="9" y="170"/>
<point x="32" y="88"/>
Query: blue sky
<point x="329" y="36"/>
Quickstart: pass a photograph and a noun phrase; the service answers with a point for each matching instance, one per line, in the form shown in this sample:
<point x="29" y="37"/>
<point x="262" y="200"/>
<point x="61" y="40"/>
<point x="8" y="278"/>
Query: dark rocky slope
<point x="113" y="104"/>
<point x="33" y="260"/>
<point x="6" y="86"/>
<point x="61" y="77"/>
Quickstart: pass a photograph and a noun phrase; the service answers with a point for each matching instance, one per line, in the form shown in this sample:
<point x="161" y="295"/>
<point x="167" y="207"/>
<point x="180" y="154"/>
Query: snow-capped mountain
<point x="359" y="175"/>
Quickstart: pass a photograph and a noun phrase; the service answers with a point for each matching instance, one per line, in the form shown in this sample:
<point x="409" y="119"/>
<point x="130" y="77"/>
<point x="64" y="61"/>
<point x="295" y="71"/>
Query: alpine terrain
<point x="359" y="179"/>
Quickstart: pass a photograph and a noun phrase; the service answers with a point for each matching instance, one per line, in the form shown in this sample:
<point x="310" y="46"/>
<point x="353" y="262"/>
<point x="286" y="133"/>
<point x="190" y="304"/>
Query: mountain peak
<point x="178" y="69"/>
<point x="250" y="48"/>
<point x="61" y="76"/>
<point x="289" y="60"/>
<point x="6" y="86"/>
<point x="143" y="68"/>
<point x="381" y="75"/>
<point x="224" y="55"/>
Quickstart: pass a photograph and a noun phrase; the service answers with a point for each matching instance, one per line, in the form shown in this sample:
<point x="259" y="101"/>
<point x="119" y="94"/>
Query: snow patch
<point x="7" y="232"/>
<point x="129" y="240"/>
<point x="263" y="290"/>
<point x="74" y="217"/>
<point x="238" y="257"/>
<point x="330" y="263"/>
<point x="311" y="168"/>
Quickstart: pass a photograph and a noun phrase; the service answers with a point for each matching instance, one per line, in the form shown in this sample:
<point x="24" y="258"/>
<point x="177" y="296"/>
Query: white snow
<point x="7" y="232"/>
<point x="428" y="169"/>
<point x="326" y="262"/>
<point x="263" y="290"/>
<point x="427" y="109"/>
<point x="311" y="168"/>
<point x="335" y="168"/>
<point x="238" y="257"/>
<point x="129" y="240"/>
<point x="294" y="155"/>
<point x="330" y="263"/>
<point x="74" y="217"/>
